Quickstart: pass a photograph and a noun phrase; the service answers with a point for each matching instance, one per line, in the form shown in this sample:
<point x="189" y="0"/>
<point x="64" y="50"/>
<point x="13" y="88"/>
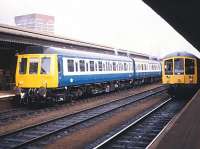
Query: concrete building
<point x="36" y="22"/>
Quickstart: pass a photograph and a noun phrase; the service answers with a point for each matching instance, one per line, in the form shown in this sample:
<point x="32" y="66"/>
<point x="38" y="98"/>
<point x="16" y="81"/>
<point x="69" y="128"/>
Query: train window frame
<point x="92" y="68"/>
<point x="33" y="65"/>
<point x="70" y="65"/>
<point x="82" y="65"/>
<point x="171" y="72"/>
<point x="178" y="70"/>
<point x="193" y="71"/>
<point x="100" y="65"/>
<point x="23" y="64"/>
<point x="45" y="68"/>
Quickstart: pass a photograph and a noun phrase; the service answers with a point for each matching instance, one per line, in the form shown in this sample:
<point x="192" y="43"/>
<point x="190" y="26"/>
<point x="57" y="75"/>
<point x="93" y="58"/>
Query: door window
<point x="168" y="65"/>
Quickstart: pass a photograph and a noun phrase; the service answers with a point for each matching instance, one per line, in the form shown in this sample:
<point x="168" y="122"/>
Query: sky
<point x="122" y="24"/>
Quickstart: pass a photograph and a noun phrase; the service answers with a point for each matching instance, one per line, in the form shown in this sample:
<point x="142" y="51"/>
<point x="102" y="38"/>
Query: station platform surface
<point x="183" y="132"/>
<point x="5" y="94"/>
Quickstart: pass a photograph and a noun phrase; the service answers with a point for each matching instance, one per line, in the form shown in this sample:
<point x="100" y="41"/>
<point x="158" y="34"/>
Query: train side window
<point x="87" y="67"/>
<point x="22" y="65"/>
<point x="76" y="66"/>
<point x="100" y="65"/>
<point x="189" y="66"/>
<point x="96" y="68"/>
<point x="59" y="66"/>
<point x="120" y="66"/>
<point x="45" y="65"/>
<point x="110" y="66"/>
<point x="179" y="66"/>
<point x="70" y="65"/>
<point x="168" y="65"/>
<point x="125" y="67"/>
<point x="138" y="66"/>
<point x="33" y="65"/>
<point x="82" y="65"/>
<point x="91" y="65"/>
<point x="104" y="67"/>
<point x="114" y="66"/>
<point x="107" y="66"/>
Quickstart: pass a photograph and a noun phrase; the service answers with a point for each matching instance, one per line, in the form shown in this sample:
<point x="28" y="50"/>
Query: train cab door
<point x="190" y="71"/>
<point x="179" y="76"/>
<point x="167" y="71"/>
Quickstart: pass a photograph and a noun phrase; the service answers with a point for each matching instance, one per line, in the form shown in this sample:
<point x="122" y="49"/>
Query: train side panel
<point x="77" y="77"/>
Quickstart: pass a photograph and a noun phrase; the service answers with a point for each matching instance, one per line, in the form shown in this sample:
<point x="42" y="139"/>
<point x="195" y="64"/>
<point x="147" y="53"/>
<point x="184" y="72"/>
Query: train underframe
<point x="178" y="90"/>
<point x="52" y="95"/>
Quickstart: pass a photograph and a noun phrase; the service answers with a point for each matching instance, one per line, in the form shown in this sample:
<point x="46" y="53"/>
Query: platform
<point x="5" y="94"/>
<point x="183" y="132"/>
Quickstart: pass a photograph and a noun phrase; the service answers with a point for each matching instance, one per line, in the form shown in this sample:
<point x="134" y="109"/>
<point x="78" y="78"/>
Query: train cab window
<point x="189" y="66"/>
<point x="168" y="65"/>
<point x="45" y="65"/>
<point x="178" y="66"/>
<point x="70" y="65"/>
<point x="22" y="65"/>
<point x="91" y="65"/>
<point x="82" y="65"/>
<point x="100" y="65"/>
<point x="33" y="65"/>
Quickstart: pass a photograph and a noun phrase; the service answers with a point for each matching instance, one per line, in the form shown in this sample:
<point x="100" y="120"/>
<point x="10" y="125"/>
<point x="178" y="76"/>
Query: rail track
<point x="33" y="134"/>
<point x="16" y="113"/>
<point x="138" y="133"/>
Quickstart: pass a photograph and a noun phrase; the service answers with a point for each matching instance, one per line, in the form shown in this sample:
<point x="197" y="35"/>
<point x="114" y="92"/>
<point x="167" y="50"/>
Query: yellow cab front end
<point x="36" y="74"/>
<point x="179" y="71"/>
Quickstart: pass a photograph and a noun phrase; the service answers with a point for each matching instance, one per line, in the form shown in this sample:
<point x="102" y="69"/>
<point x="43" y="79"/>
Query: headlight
<point x="42" y="92"/>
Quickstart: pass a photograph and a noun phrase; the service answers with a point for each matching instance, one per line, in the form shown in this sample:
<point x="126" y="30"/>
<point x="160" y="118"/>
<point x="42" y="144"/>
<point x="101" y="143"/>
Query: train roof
<point x="175" y="54"/>
<point x="146" y="60"/>
<point x="73" y="53"/>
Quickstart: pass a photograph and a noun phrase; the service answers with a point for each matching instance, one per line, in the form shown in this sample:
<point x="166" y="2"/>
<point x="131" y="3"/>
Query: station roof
<point x="182" y="15"/>
<point x="27" y="37"/>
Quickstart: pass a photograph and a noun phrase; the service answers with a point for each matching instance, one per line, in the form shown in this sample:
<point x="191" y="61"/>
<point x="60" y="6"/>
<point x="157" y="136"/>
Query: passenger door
<point x="190" y="71"/>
